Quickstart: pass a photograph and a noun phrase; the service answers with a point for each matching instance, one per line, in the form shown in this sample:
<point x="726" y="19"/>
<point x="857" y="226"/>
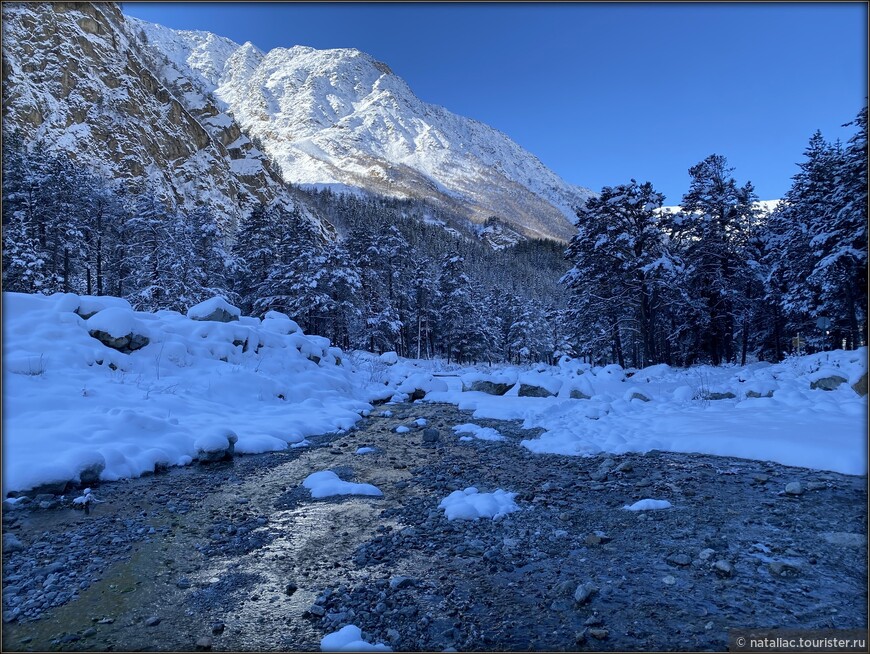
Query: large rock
<point x="220" y="446"/>
<point x="528" y="390"/>
<point x="830" y="383"/>
<point x="490" y="388"/>
<point x="860" y="386"/>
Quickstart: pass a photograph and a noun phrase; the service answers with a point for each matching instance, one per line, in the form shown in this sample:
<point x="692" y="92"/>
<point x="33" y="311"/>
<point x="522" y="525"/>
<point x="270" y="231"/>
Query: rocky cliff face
<point x="341" y="119"/>
<point x="76" y="76"/>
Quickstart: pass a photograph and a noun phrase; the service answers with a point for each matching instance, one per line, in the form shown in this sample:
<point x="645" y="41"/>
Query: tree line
<point x="717" y="281"/>
<point x="390" y="281"/>
<point x="720" y="280"/>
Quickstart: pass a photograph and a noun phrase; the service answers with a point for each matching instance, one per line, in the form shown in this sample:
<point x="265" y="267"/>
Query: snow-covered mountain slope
<point x="78" y="78"/>
<point x="339" y="118"/>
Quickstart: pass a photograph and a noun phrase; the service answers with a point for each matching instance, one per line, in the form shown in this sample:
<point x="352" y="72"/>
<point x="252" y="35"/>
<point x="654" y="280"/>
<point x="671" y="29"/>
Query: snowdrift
<point x="94" y="390"/>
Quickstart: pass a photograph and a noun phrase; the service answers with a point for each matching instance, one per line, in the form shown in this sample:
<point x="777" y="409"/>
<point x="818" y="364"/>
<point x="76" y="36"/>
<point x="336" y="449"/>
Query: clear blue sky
<point x="600" y="93"/>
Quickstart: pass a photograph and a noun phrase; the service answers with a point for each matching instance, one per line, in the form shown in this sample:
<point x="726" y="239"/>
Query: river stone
<point x="153" y="621"/>
<point x="794" y="488"/>
<point x="11" y="543"/>
<point x="679" y="559"/>
<point x="828" y="383"/>
<point x="430" y="435"/>
<point x="530" y="390"/>
<point x="204" y="644"/>
<point x="599" y="634"/>
<point x="584" y="592"/>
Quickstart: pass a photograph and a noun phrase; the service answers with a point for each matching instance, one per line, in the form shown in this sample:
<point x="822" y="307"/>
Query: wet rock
<point x="828" y="383"/>
<point x="794" y="488"/>
<point x="218" y="628"/>
<point x="584" y="592"/>
<point x="290" y="588"/>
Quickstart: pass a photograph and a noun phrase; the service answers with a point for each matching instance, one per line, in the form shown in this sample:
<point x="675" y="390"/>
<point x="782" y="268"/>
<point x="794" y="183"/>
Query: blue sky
<point x="600" y="93"/>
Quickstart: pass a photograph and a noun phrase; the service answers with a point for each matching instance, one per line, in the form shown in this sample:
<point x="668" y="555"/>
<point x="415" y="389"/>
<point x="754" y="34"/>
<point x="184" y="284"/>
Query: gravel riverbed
<point x="238" y="556"/>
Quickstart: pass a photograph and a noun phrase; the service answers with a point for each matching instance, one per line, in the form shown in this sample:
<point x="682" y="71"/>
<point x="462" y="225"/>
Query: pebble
<point x="218" y="628"/>
<point x="317" y="610"/>
<point x="153" y="621"/>
<point x="290" y="588"/>
<point x="679" y="559"/>
<point x="669" y="580"/>
<point x="204" y="644"/>
<point x="584" y="592"/>
<point x="11" y="543"/>
<point x="599" y="634"/>
<point x="706" y="554"/>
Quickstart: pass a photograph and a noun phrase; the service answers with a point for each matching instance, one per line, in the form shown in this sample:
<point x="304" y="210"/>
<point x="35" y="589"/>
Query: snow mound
<point x="469" y="504"/>
<point x="349" y="639"/>
<point x="482" y="433"/>
<point x="326" y="484"/>
<point x="74" y="405"/>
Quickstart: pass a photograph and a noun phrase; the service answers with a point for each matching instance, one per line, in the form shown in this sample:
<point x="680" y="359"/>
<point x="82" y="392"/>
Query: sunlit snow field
<point x="73" y="404"/>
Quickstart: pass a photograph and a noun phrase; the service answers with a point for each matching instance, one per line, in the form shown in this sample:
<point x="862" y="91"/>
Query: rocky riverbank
<point x="238" y="556"/>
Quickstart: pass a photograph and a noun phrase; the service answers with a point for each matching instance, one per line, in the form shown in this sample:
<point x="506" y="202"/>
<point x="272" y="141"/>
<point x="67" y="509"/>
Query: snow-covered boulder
<point x="117" y="327"/>
<point x="217" y="446"/>
<point x="416" y="386"/>
<point x="214" y="309"/>
<point x="389" y="358"/>
<point x="326" y="484"/>
<point x="538" y="384"/>
<point x="827" y="380"/>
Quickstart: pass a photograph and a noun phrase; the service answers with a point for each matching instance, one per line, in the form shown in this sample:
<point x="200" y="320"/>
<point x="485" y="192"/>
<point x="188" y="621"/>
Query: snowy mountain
<point x="341" y="119"/>
<point x="76" y="77"/>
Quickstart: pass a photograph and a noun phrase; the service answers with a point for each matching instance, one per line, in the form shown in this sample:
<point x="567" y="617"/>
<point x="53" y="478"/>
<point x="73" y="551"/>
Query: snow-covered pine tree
<point x="840" y="244"/>
<point x="804" y="209"/>
<point x="618" y="253"/>
<point x="720" y="218"/>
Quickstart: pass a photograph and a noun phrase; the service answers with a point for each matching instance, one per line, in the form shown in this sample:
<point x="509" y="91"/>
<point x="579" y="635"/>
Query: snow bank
<point x="469" y="504"/>
<point x="763" y="411"/>
<point x="73" y="405"/>
<point x="326" y="484"/>
<point x="349" y="639"/>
